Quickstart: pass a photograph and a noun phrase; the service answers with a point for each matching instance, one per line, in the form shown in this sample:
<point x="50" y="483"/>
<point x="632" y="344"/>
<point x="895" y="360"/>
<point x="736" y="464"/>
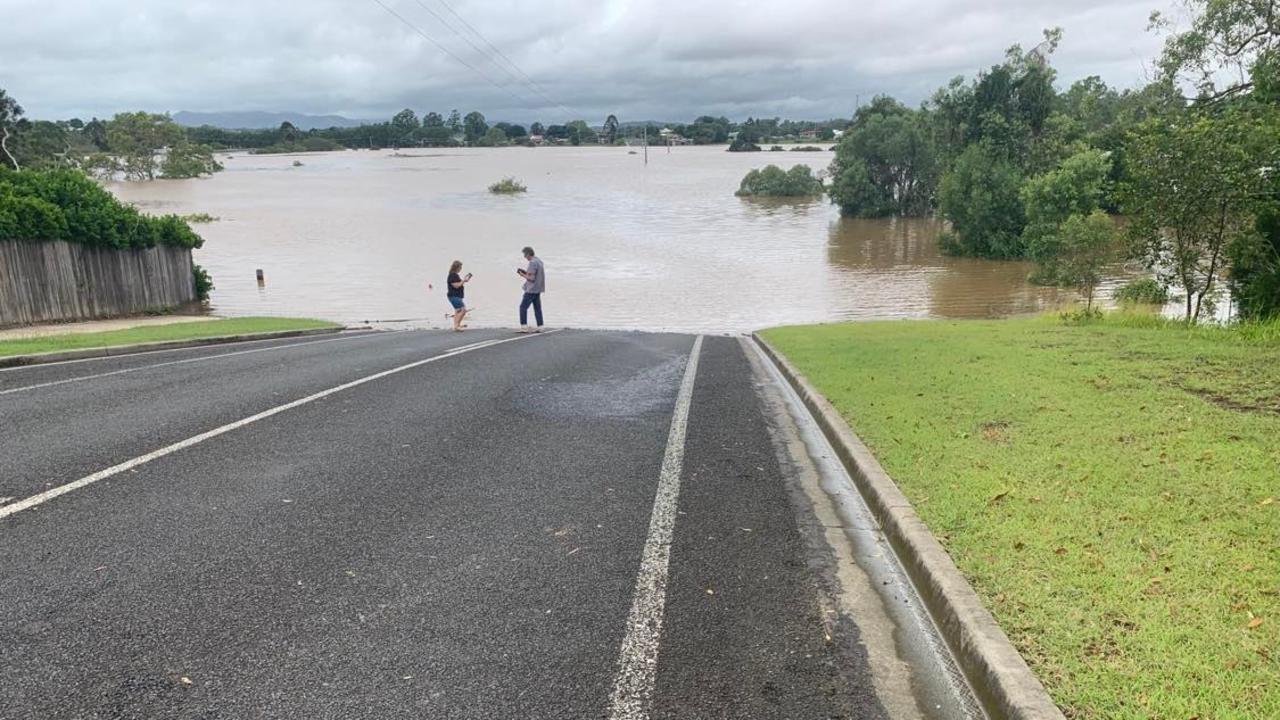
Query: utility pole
<point x="646" y="145"/>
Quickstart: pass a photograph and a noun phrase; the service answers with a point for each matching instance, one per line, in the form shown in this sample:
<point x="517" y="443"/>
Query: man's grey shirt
<point x="535" y="278"/>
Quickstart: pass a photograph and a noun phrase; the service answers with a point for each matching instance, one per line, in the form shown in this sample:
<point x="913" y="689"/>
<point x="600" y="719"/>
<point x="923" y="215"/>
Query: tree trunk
<point x="4" y="145"/>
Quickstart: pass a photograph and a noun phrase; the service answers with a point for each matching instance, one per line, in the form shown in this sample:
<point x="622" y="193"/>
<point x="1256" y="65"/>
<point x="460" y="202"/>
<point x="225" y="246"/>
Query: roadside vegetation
<point x="67" y="205"/>
<point x="507" y="186"/>
<point x="773" y="181"/>
<point x="1108" y="486"/>
<point x="158" y="333"/>
<point x="1010" y="160"/>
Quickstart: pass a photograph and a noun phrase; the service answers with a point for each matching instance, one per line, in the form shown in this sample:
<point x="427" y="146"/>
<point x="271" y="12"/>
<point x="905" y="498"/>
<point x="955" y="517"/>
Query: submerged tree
<point x="886" y="163"/>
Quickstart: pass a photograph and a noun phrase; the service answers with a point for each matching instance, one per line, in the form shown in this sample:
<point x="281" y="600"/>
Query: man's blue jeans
<point x="534" y="299"/>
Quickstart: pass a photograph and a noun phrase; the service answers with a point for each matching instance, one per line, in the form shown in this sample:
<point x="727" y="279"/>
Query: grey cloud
<point x="650" y="59"/>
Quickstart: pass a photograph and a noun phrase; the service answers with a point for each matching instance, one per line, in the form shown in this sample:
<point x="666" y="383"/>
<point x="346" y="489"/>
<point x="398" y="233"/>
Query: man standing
<point x="535" y="283"/>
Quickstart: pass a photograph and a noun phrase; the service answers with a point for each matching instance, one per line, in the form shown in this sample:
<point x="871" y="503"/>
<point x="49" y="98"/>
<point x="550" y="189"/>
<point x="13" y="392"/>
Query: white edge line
<point x="632" y="696"/>
<point x="52" y="493"/>
<point x="203" y="358"/>
<point x="164" y="351"/>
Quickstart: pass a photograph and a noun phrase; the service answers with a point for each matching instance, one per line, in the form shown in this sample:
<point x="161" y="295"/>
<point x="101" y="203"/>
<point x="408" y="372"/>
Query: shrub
<point x="980" y="198"/>
<point x="806" y="148"/>
<point x="203" y="282"/>
<point x="200" y="218"/>
<point x="67" y="205"/>
<point x="773" y="181"/>
<point x="507" y="186"/>
<point x="1086" y="245"/>
<point x="1144" y="291"/>
<point x="743" y="144"/>
<point x="1075" y="187"/>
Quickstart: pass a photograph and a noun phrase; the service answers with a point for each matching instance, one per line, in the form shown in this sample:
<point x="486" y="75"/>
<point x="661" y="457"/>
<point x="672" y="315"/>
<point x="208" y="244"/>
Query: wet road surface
<point x="426" y="524"/>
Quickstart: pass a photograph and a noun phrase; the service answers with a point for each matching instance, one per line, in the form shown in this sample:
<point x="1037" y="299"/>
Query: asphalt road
<point x="426" y="525"/>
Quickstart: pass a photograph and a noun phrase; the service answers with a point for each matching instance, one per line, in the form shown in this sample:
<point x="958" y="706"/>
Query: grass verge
<point x="1111" y="489"/>
<point x="158" y="333"/>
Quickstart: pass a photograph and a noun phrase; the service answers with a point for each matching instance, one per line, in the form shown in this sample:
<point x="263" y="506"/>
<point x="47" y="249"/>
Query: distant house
<point x="537" y="139"/>
<point x="809" y="134"/>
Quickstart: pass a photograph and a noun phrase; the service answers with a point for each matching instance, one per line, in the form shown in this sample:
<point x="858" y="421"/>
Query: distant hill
<point x="258" y="120"/>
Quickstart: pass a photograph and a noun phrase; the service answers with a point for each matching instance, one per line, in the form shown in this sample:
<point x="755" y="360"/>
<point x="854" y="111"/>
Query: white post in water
<point x="261" y="280"/>
<point x="646" y="144"/>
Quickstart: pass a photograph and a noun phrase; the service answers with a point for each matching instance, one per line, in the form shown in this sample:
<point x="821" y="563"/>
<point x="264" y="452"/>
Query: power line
<point x="532" y="83"/>
<point x="450" y="53"/>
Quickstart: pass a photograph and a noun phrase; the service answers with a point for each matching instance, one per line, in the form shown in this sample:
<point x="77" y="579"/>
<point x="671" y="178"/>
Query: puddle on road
<point x="646" y="391"/>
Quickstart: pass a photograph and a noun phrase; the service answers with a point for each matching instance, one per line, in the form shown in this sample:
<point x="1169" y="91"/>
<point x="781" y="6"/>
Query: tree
<point x="1255" y="267"/>
<point x="95" y="131"/>
<point x="1074" y="189"/>
<point x="611" y="129"/>
<point x="474" y="126"/>
<point x="1196" y="183"/>
<point x="1085" y="247"/>
<point x="537" y="128"/>
<point x="455" y="122"/>
<point x="494" y="137"/>
<point x="41" y="145"/>
<point x="980" y="199"/>
<point x="1231" y="48"/>
<point x="289" y="133"/>
<point x="10" y="113"/>
<point x="137" y="137"/>
<point x="405" y="123"/>
<point x="580" y="132"/>
<point x="432" y="120"/>
<point x="187" y="160"/>
<point x="893" y="160"/>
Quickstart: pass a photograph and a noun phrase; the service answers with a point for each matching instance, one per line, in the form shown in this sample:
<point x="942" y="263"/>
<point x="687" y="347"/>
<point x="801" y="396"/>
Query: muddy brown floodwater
<point x="359" y="235"/>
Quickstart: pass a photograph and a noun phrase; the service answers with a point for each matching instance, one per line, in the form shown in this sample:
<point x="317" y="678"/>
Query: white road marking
<point x="52" y="493"/>
<point x="632" y="696"/>
<point x="202" y="358"/>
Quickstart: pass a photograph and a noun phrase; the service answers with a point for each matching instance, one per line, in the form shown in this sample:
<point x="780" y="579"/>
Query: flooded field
<point x="361" y="235"/>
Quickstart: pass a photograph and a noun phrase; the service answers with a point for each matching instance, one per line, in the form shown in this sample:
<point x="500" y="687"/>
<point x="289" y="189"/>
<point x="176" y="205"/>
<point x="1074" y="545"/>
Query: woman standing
<point x="457" y="291"/>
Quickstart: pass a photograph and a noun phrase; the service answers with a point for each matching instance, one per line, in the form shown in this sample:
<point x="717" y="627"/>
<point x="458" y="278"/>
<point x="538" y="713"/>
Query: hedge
<point x="68" y="205"/>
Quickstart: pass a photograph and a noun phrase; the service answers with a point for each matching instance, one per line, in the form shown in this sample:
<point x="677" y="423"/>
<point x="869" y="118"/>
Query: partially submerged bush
<point x="203" y="282"/>
<point x="507" y="186"/>
<point x="1144" y="291"/>
<point x="773" y="181"/>
<point x="806" y="148"/>
<point x="200" y="218"/>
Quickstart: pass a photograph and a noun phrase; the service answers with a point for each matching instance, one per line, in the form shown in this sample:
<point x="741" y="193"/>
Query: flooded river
<point x="359" y="235"/>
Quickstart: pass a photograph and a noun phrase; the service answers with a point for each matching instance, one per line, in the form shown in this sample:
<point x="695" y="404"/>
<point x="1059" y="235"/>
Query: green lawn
<point x="1112" y="491"/>
<point x="158" y="333"/>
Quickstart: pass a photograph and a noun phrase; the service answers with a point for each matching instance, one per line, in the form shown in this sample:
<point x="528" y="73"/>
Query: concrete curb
<point x="1003" y="683"/>
<point x="61" y="356"/>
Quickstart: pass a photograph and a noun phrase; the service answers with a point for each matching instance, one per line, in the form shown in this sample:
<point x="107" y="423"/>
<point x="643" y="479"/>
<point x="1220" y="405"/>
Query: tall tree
<point x="611" y="129"/>
<point x="474" y="126"/>
<point x="455" y="121"/>
<point x="406" y="125"/>
<point x="10" y="113"/>
<point x="537" y="128"/>
<point x="432" y="120"/>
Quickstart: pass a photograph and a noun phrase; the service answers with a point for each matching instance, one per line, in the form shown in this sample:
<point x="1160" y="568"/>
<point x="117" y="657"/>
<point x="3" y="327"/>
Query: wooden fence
<point x="57" y="281"/>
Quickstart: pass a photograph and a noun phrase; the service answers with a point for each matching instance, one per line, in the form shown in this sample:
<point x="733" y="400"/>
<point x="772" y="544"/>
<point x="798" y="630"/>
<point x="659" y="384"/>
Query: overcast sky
<point x="640" y="59"/>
